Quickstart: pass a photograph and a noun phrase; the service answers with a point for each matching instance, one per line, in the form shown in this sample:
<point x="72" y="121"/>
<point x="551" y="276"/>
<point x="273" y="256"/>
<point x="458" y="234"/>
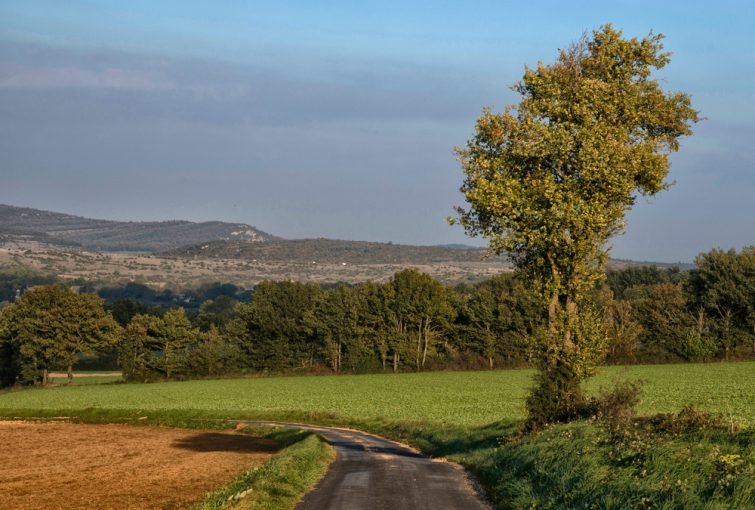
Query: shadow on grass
<point x="225" y="442"/>
<point x="453" y="441"/>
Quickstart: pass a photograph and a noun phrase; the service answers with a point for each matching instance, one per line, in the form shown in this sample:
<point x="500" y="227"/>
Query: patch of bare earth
<point x="66" y="465"/>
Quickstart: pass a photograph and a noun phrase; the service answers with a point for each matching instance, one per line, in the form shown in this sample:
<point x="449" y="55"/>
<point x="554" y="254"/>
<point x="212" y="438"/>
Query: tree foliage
<point x="723" y="287"/>
<point x="50" y="326"/>
<point x="158" y="347"/>
<point x="549" y="180"/>
<point x="649" y="315"/>
<point x="276" y="330"/>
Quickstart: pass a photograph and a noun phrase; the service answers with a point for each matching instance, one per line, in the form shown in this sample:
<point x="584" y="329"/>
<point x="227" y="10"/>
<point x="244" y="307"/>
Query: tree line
<point x="410" y="323"/>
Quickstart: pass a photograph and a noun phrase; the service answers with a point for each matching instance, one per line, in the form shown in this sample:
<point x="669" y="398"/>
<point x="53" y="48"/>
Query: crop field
<point x="453" y="398"/>
<point x="115" y="466"/>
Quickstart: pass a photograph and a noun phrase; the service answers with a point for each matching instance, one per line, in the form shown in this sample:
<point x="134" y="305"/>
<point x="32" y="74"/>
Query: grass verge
<point x="280" y="483"/>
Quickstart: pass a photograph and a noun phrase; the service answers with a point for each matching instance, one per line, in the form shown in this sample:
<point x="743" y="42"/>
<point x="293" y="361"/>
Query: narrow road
<point x="374" y="473"/>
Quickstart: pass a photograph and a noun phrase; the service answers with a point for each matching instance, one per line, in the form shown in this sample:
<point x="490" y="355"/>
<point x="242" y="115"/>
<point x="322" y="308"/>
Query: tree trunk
<point x="395" y="362"/>
<point x="427" y="341"/>
<point x="490" y="362"/>
<point x="552" y="314"/>
<point x="571" y="315"/>
<point x="726" y="337"/>
<point x="70" y="372"/>
<point x="166" y="359"/>
<point x="700" y="322"/>
<point x="419" y="346"/>
<point x="553" y="305"/>
<point x="44" y="377"/>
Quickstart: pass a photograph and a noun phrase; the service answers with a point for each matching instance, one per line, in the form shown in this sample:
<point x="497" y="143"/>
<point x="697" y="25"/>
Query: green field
<point x="473" y="418"/>
<point x="458" y="398"/>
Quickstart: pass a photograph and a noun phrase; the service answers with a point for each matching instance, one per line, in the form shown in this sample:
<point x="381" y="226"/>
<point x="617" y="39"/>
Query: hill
<point x="21" y="224"/>
<point x="332" y="251"/>
<point x="335" y="251"/>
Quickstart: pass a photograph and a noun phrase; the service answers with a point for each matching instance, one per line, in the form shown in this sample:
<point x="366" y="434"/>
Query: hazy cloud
<point x="18" y="77"/>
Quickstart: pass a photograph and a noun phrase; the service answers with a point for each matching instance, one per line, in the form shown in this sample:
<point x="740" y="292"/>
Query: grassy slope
<point x="280" y="483"/>
<point x="453" y="398"/>
<point x="458" y="415"/>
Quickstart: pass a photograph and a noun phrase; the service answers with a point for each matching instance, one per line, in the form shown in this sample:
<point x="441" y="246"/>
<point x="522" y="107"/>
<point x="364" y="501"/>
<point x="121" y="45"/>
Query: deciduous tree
<point x="723" y="287"/>
<point x="548" y="181"/>
<point x="52" y="325"/>
<point x="158" y="346"/>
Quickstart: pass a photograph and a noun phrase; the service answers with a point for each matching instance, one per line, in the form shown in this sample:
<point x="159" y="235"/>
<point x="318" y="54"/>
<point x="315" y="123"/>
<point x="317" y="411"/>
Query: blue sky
<point x="338" y="119"/>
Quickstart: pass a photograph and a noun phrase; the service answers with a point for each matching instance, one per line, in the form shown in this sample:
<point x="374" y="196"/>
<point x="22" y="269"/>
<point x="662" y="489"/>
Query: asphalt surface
<point x="374" y="473"/>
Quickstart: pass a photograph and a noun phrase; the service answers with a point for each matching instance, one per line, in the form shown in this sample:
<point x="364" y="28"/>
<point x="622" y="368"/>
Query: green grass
<point x="472" y="417"/>
<point x="579" y="466"/>
<point x="453" y="398"/>
<point x="280" y="483"/>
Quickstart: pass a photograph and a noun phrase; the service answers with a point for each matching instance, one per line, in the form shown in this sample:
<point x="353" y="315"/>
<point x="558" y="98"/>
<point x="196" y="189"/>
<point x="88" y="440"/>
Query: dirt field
<point x="180" y="273"/>
<point x="65" y="465"/>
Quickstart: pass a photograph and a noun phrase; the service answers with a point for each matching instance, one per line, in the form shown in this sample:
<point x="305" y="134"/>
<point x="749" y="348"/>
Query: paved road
<point x="373" y="473"/>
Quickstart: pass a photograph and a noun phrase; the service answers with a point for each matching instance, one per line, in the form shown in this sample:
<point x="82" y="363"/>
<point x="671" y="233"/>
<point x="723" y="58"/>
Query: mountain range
<point x="68" y="231"/>
<point x="21" y="226"/>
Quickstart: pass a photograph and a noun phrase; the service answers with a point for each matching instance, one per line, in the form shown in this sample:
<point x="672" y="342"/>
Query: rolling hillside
<point x="332" y="251"/>
<point x="67" y="231"/>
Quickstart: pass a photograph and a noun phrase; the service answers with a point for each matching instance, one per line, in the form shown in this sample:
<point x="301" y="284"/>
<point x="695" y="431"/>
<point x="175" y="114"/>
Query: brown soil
<point x="66" y="465"/>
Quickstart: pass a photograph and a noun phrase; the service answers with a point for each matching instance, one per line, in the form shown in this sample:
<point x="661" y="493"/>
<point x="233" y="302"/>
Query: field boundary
<point x="85" y="374"/>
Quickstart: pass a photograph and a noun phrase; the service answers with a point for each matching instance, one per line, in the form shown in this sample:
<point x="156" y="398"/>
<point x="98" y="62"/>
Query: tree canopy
<point x="52" y="325"/>
<point x="548" y="181"/>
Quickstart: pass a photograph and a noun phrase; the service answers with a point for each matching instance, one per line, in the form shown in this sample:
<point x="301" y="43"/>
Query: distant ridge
<point x="334" y="251"/>
<point x="21" y="227"/>
<point x="18" y="224"/>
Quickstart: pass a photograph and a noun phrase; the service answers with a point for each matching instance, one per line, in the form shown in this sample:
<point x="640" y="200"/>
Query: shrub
<point x="616" y="408"/>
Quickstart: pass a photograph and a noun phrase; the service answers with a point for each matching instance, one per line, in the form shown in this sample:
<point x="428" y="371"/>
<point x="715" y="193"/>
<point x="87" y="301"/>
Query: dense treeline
<point x="702" y="314"/>
<point x="13" y="283"/>
<point x="409" y="323"/>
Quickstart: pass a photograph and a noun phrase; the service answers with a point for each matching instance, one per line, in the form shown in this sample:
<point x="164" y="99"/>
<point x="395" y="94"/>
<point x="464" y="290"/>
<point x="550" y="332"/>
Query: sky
<point x="339" y="119"/>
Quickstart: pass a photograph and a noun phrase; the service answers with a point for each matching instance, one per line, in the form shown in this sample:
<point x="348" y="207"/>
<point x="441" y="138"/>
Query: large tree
<point x="52" y="325"/>
<point x="548" y="181"/>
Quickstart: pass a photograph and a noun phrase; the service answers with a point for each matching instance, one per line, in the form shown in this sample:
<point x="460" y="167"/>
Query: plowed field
<point x="66" y="465"/>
